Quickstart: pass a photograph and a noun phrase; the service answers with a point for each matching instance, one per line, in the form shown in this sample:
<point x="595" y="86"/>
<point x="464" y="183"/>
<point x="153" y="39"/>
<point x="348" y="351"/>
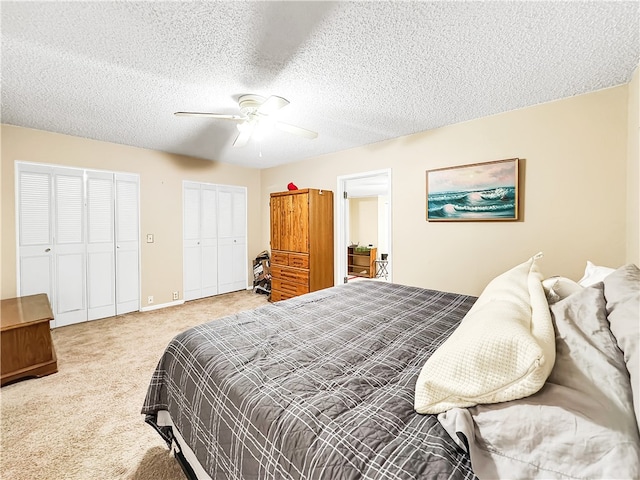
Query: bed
<point x="324" y="386"/>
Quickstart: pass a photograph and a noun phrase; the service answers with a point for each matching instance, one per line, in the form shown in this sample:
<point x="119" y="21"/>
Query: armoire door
<point x="289" y="222"/>
<point x="232" y="239"/>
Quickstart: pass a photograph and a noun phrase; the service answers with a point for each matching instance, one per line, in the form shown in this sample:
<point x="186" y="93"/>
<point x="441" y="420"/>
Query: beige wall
<point x="580" y="192"/>
<point x="161" y="177"/>
<point x="363" y="217"/>
<point x="633" y="171"/>
<point x="573" y="195"/>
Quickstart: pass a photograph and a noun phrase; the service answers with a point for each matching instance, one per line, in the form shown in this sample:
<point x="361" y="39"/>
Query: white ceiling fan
<point x="256" y="117"/>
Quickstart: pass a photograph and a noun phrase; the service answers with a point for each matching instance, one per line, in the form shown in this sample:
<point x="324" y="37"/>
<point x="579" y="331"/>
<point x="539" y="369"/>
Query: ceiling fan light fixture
<point x="265" y="126"/>
<point x="257" y="118"/>
<point x="243" y="127"/>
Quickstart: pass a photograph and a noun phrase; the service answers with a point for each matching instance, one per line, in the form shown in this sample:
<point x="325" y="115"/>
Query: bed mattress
<point x="316" y="387"/>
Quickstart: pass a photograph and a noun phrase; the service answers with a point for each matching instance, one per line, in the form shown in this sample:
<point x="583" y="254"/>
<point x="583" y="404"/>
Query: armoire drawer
<point x="298" y="260"/>
<point x="288" y="288"/>
<point x="279" y="258"/>
<point x="295" y="275"/>
<point x="277" y="295"/>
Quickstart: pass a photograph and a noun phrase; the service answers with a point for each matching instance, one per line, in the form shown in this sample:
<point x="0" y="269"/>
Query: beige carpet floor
<point x="84" y="422"/>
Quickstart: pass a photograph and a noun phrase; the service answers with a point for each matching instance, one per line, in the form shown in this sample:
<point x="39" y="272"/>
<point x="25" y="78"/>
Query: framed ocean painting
<point x="476" y="192"/>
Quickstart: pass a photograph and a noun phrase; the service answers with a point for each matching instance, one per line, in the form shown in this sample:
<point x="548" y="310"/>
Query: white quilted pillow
<point x="504" y="348"/>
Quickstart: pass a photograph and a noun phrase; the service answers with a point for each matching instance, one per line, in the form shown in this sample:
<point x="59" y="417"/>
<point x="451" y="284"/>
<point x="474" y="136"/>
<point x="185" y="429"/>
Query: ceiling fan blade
<point x="272" y="105"/>
<point x="220" y="116"/>
<point x="246" y="129"/>
<point x="303" y="132"/>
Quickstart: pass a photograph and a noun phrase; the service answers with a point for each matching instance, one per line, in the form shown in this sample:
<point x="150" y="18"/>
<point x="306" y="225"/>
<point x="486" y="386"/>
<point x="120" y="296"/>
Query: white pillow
<point x="559" y="288"/>
<point x="503" y="349"/>
<point x="594" y="274"/>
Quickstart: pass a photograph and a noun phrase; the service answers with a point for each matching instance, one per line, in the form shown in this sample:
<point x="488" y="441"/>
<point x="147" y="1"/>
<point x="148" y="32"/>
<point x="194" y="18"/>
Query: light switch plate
<point x="149" y="237"/>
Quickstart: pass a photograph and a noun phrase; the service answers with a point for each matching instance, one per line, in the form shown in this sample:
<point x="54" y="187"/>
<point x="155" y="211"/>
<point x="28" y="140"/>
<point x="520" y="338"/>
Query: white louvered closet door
<point x="232" y="239"/>
<point x="101" y="272"/>
<point x="192" y="253"/>
<point x="68" y="222"/>
<point x="35" y="232"/>
<point x="209" y="239"/>
<point x="200" y="240"/>
<point x="127" y="243"/>
<point x="69" y="247"/>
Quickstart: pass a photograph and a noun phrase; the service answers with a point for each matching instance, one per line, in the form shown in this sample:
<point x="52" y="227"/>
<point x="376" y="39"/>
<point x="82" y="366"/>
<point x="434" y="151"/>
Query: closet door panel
<point x="100" y="290"/>
<point x="69" y="247"/>
<point x="192" y="252"/>
<point x="239" y="212"/>
<point x="209" y="239"/>
<point x="101" y="272"/>
<point x="192" y="284"/>
<point x="239" y="271"/>
<point x="36" y="274"/>
<point x="127" y="232"/>
<point x="209" y="256"/>
<point x="225" y="213"/>
<point x="239" y="250"/>
<point x="232" y="265"/>
<point x="232" y="249"/>
<point x="225" y="265"/>
<point x="35" y="231"/>
<point x="71" y="306"/>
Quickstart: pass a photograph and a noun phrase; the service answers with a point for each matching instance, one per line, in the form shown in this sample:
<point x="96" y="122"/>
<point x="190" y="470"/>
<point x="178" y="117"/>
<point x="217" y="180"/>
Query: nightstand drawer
<point x="290" y="274"/>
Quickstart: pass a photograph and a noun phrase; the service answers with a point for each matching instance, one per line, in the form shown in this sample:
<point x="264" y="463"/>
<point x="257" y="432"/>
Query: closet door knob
<point x="47" y="250"/>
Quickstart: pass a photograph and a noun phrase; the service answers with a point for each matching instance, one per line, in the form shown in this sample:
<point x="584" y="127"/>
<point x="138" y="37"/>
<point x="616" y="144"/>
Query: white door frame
<point x="342" y="223"/>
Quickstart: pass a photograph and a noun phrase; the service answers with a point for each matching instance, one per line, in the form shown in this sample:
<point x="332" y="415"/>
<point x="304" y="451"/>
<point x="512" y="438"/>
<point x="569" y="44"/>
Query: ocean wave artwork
<point x="495" y="203"/>
<point x="486" y="191"/>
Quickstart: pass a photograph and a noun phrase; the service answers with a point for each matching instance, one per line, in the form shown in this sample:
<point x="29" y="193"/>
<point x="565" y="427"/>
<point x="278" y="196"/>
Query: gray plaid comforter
<point x="316" y="387"/>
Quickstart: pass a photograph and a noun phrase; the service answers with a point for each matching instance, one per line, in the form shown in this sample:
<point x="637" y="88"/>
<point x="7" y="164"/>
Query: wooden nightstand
<point x="25" y="338"/>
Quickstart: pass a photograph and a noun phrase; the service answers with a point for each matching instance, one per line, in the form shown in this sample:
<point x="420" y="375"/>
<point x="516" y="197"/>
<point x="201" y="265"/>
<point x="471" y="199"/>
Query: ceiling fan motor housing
<point x="249" y="104"/>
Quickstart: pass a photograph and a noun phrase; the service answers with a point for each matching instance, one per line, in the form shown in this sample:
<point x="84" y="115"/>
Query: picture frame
<point x="486" y="191"/>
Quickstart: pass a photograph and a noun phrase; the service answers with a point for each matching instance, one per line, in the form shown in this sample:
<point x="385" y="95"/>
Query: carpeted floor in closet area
<point x="84" y="422"/>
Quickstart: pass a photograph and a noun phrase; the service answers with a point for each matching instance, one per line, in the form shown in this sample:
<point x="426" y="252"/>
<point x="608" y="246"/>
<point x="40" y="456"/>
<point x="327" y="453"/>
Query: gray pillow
<point x="581" y="424"/>
<point x="622" y="292"/>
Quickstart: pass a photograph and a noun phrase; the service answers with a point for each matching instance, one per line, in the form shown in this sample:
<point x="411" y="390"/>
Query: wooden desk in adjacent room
<point x="25" y="338"/>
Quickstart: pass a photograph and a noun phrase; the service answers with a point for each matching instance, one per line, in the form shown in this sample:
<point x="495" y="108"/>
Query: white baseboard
<point x="161" y="305"/>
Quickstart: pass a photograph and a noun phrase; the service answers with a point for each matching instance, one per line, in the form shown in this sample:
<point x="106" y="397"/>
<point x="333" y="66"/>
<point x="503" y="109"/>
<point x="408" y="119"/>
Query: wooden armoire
<point x="301" y="242"/>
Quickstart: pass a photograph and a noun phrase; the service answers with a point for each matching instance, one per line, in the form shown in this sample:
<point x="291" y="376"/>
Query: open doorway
<point x="364" y="233"/>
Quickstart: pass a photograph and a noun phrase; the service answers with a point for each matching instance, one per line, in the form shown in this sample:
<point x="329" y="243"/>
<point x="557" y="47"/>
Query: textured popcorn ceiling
<point x="356" y="72"/>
